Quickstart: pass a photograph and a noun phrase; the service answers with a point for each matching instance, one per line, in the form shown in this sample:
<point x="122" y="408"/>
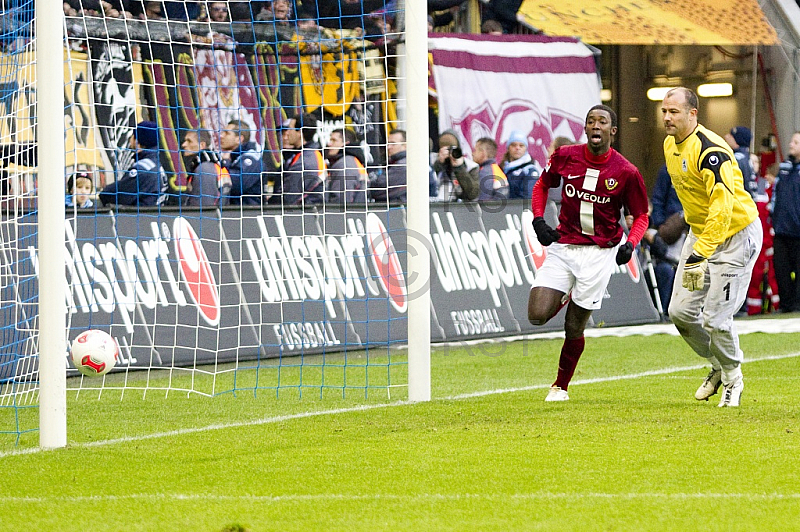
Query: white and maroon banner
<point x="539" y="86"/>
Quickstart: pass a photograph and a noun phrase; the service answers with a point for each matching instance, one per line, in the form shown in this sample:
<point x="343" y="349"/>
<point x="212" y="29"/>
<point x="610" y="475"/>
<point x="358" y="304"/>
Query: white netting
<point x="259" y="257"/>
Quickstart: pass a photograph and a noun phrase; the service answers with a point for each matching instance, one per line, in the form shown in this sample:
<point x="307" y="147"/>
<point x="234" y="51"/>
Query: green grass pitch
<point x="631" y="450"/>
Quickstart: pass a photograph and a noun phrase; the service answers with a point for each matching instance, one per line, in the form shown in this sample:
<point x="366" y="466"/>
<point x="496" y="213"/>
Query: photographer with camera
<point x="457" y="175"/>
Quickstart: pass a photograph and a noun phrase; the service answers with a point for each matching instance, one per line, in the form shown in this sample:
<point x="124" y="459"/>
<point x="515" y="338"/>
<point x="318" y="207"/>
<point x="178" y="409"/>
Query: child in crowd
<point x="80" y="189"/>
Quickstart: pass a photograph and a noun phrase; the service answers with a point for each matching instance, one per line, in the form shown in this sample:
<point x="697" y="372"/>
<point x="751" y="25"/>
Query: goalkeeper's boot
<point x="732" y="393"/>
<point x="556" y="394"/>
<point x="710" y="386"/>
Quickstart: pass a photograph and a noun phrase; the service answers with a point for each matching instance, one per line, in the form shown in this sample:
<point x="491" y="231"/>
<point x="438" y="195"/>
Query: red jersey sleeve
<point x="539" y="198"/>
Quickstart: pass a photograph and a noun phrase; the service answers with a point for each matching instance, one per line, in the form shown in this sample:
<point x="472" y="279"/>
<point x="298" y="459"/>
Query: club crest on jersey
<point x="684" y="165"/>
<point x="611" y="183"/>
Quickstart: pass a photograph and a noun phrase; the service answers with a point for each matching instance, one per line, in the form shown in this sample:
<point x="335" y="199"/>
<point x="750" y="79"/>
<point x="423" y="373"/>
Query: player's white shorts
<point x="583" y="270"/>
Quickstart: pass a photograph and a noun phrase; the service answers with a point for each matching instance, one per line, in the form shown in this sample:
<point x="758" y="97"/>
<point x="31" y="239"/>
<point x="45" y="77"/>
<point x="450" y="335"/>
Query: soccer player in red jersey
<point x="598" y="183"/>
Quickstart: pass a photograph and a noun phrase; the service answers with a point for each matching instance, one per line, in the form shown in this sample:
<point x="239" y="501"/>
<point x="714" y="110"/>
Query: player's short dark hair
<point x="609" y="110"/>
<point x="691" y="98"/>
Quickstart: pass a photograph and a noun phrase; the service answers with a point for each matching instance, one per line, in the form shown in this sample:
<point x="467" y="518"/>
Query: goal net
<point x="266" y="254"/>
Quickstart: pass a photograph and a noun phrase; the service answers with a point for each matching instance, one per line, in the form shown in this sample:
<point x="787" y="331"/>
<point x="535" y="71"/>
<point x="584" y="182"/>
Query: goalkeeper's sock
<point x="731" y="375"/>
<point x="571" y="352"/>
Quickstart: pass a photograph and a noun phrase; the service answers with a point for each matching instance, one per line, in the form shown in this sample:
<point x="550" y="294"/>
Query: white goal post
<point x="49" y="18"/>
<point x="419" y="323"/>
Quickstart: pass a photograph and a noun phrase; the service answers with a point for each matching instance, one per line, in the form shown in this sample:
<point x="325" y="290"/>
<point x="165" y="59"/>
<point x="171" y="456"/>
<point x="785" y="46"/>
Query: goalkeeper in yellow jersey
<point x="720" y="251"/>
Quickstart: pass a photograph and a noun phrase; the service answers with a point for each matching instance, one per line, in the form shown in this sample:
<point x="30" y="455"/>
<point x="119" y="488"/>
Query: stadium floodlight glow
<point x="657" y="94"/>
<point x="715" y="90"/>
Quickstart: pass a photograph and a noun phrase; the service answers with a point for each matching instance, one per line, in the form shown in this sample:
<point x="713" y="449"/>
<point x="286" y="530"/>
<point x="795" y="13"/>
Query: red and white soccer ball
<point x="94" y="352"/>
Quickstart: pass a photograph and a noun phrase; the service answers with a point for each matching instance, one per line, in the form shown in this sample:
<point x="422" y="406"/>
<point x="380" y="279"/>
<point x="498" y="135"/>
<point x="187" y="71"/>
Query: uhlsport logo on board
<point x="120" y="275"/>
<point x="387" y="263"/>
<point x="196" y="270"/>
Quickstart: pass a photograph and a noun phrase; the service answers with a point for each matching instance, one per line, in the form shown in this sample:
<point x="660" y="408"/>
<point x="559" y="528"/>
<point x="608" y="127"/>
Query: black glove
<point x="624" y="253"/>
<point x="546" y="234"/>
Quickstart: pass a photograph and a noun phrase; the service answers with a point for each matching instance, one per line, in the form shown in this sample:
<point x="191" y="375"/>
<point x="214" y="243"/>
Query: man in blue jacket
<point x="786" y="224"/>
<point x="144" y="184"/>
<point x="390" y="186"/>
<point x="739" y="139"/>
<point x="243" y="161"/>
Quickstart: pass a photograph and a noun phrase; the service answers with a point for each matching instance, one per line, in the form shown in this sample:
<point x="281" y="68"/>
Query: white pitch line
<point x="422" y="497"/>
<point x="613" y="378"/>
<point x="301" y="415"/>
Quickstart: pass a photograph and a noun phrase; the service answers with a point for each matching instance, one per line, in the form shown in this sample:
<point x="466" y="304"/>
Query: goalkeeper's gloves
<point x="544" y="233"/>
<point x="694" y="272"/>
<point x="624" y="253"/>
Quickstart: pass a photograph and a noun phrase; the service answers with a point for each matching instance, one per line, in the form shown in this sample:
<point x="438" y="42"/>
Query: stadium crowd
<point x="274" y="178"/>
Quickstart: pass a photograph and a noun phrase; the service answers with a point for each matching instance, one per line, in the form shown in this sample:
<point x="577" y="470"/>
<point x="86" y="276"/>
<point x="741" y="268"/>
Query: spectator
<point x="80" y="188"/>
<point x="391" y="186"/>
<point x="786" y="223"/>
<point x="181" y="10"/>
<point x="493" y="182"/>
<point x="244" y="11"/>
<point x="153" y="11"/>
<point x="503" y="11"/>
<point x="108" y="8"/>
<point x="457" y="175"/>
<point x="209" y="181"/>
<point x="144" y="184"/>
<point x="218" y="12"/>
<point x="557" y="143"/>
<point x="762" y="294"/>
<point x="519" y="167"/>
<point x="739" y="139"/>
<point x="491" y="27"/>
<point x="761" y="182"/>
<point x="441" y="12"/>
<point x="243" y="161"/>
<point x="305" y="172"/>
<point x="347" y="177"/>
<point x="441" y="5"/>
<point x="340" y="14"/>
<point x="277" y="10"/>
<point x="433" y="184"/>
<point x="666" y="234"/>
<point x="770" y="175"/>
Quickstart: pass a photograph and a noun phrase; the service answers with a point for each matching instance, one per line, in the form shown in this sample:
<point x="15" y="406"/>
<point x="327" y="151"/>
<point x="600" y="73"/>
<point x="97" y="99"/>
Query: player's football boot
<point x="556" y="394"/>
<point x="732" y="393"/>
<point x="710" y="386"/>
